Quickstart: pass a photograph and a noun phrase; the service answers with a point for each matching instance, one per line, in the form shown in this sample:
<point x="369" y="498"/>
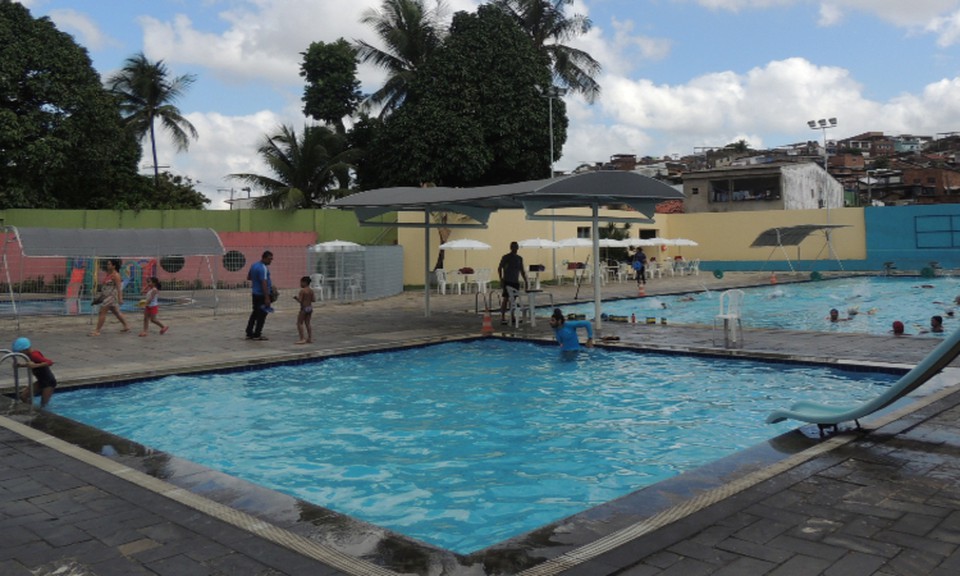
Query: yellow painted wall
<point x="721" y="237"/>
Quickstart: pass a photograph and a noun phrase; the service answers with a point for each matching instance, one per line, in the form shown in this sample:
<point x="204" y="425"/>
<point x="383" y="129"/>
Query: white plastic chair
<point x="693" y="268"/>
<point x="482" y="280"/>
<point x="441" y="276"/>
<point x="354" y="286"/>
<point x="731" y="305"/>
<point x="515" y="306"/>
<point x="316" y="284"/>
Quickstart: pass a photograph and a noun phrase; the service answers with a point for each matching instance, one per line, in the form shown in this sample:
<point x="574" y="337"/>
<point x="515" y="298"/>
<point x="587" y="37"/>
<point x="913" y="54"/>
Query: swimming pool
<point x="465" y="454"/>
<point x="58" y="306"/>
<point x="877" y="301"/>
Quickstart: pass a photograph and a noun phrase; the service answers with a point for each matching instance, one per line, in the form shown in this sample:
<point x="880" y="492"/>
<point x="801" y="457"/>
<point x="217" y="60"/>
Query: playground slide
<point x="74" y="290"/>
<point x="822" y="414"/>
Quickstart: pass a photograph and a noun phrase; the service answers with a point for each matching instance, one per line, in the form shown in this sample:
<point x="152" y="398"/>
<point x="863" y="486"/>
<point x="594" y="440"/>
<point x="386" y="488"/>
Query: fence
<point x="58" y="286"/>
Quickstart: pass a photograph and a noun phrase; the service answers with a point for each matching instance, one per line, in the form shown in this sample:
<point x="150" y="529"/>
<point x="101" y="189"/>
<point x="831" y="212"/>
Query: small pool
<point x="875" y="301"/>
<point x="58" y="306"/>
<point x="463" y="445"/>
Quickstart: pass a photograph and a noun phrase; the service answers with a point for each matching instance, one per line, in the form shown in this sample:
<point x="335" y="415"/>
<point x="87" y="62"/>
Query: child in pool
<point x="306" y="298"/>
<point x="44" y="381"/>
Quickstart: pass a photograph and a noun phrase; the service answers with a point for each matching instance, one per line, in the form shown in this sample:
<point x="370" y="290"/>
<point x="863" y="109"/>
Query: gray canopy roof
<point x="586" y="190"/>
<point x="790" y="235"/>
<point x="603" y="187"/>
<point x="74" y="242"/>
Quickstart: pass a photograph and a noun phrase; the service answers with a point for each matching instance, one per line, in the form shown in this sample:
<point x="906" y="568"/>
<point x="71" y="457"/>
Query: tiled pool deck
<point x="886" y="502"/>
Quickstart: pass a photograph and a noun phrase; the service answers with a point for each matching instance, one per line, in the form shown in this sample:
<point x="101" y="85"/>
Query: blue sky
<point x="678" y="74"/>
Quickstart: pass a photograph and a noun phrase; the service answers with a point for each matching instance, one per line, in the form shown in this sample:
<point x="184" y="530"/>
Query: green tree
<point x="410" y="33"/>
<point x="173" y="192"/>
<point x="62" y="144"/>
<point x="332" y="91"/>
<point x="548" y="27"/>
<point x="307" y="171"/>
<point x="147" y="95"/>
<point x="474" y="115"/>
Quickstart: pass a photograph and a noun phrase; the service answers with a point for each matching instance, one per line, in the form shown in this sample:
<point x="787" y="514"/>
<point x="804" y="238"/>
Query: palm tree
<point x="307" y="170"/>
<point x="147" y="94"/>
<point x="548" y="27"/>
<point x="410" y="33"/>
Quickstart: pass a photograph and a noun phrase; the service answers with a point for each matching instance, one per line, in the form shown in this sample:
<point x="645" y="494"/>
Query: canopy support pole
<point x="595" y="233"/>
<point x="426" y="261"/>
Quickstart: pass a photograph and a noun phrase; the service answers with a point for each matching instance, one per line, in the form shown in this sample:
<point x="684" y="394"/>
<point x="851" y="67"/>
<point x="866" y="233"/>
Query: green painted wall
<point x="327" y="224"/>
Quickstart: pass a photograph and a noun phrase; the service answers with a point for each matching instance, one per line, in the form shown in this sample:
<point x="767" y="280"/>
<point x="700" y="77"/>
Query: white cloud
<point x="947" y="29"/>
<point x="227" y="145"/>
<point x="830" y="15"/>
<point x="85" y="30"/>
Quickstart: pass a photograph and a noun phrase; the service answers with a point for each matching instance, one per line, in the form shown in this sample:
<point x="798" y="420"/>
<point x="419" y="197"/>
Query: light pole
<point x="822" y="125"/>
<point x="551" y="93"/>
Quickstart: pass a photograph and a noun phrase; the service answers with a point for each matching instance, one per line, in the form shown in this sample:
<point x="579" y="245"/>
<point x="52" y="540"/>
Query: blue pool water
<point x="463" y="445"/>
<point x="59" y="306"/>
<point x="805" y="306"/>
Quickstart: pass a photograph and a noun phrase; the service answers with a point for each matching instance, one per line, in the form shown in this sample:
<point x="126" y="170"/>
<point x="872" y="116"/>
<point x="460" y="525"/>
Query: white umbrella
<point x="337" y="246"/>
<point x="538" y="243"/>
<point x="684" y="242"/>
<point x="611" y="243"/>
<point x="464" y="244"/>
<point x="575" y="243"/>
<point x="634" y="242"/>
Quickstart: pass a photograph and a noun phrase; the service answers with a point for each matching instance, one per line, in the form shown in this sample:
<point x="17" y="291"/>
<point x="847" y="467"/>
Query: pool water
<point x="55" y="306"/>
<point x="877" y="301"/>
<point x="462" y="445"/>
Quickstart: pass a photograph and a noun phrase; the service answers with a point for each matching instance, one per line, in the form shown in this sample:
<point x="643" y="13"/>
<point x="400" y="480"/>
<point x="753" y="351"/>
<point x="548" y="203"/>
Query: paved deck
<point x="886" y="502"/>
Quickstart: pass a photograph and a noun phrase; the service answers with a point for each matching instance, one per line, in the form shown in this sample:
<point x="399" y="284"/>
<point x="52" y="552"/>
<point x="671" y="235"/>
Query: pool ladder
<point x="9" y="354"/>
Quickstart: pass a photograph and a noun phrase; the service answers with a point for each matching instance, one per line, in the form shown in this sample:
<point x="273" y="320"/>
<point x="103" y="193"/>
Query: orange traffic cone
<point x="487" y="328"/>
<point x="773" y="277"/>
<point x="642" y="290"/>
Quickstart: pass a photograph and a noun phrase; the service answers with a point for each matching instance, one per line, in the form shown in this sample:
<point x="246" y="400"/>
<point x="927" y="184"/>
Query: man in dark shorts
<point x="510" y="270"/>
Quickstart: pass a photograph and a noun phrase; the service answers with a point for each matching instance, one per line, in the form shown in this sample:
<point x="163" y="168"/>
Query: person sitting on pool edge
<point x="566" y="333"/>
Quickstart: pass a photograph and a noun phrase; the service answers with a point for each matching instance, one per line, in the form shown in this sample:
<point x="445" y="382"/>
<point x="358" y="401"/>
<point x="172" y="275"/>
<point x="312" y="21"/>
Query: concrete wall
<point x="909" y="236"/>
<point x="326" y="224"/>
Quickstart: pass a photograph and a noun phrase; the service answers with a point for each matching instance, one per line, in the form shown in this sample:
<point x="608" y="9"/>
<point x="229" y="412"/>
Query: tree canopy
<point x="411" y="33"/>
<point x="332" y="91"/>
<point x="308" y="170"/>
<point x="62" y="144"/>
<point x="147" y="95"/>
<point x="474" y="113"/>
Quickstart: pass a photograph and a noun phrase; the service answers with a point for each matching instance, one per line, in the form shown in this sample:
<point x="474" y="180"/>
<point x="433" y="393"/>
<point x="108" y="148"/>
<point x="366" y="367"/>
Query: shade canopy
<point x="790" y="235"/>
<point x="124" y="243"/>
<point x="575" y="243"/>
<point x="536" y="197"/>
<point x="604" y="187"/>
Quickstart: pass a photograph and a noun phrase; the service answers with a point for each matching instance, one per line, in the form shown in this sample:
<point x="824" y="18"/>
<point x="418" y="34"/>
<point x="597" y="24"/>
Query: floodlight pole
<point x="551" y="93"/>
<point x="822" y="125"/>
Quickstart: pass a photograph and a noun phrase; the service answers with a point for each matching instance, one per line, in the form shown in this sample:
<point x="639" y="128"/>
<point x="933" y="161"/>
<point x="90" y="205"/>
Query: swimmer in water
<point x="835" y="316"/>
<point x="565" y="331"/>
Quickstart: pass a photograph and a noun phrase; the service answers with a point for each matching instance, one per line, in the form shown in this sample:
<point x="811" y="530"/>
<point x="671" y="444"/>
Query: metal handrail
<point x="16" y="374"/>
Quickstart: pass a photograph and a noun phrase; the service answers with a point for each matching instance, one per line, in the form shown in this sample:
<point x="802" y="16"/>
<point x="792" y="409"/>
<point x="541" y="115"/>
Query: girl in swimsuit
<point x="305" y="297"/>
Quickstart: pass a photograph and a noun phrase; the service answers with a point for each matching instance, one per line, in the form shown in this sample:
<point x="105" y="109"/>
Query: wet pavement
<point x="881" y="501"/>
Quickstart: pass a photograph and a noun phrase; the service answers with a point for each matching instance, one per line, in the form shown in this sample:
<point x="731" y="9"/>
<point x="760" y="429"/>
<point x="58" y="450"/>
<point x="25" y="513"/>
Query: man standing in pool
<point x="566" y="333"/>
<point x="510" y="270"/>
<point x="259" y="277"/>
